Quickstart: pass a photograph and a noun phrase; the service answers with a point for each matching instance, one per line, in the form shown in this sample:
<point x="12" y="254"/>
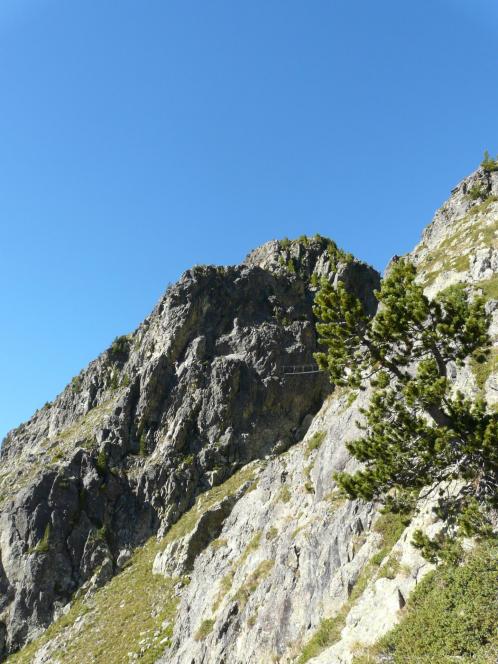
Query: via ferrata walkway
<point x="296" y="369"/>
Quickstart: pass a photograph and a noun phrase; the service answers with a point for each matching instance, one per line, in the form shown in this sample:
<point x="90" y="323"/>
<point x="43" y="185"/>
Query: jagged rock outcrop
<point x="178" y="557"/>
<point x="460" y="244"/>
<point x="196" y="392"/>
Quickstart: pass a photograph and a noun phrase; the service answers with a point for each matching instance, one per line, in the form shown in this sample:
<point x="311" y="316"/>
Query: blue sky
<point x="140" y="137"/>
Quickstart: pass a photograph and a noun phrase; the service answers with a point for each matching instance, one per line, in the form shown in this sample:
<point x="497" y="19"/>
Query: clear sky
<point x="140" y="137"/>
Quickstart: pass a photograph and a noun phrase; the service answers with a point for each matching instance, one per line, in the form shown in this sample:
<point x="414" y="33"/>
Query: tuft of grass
<point x="290" y="265"/>
<point x="252" y="546"/>
<point x="352" y="396"/>
<point x="314" y="443"/>
<point x="488" y="163"/>
<point x="336" y="498"/>
<point x="142" y="445"/>
<point x="327" y="633"/>
<point x="308" y="483"/>
<point x="188" y="460"/>
<point x="476" y="192"/>
<point x="227" y="581"/>
<point x="255" y="578"/>
<point x="460" y="263"/>
<point x="58" y="455"/>
<point x="114" y="380"/>
<point x="225" y="587"/>
<point x="489" y="288"/>
<point x="205" y="628"/>
<point x="76" y="384"/>
<point x="102" y="534"/>
<point x="390" y="569"/>
<point x="390" y="526"/>
<point x="297" y="530"/>
<point x="120" y="349"/>
<point x="101" y="463"/>
<point x="482" y="207"/>
<point x="43" y="545"/>
<point x="271" y="533"/>
<point x="284" y="495"/>
<point x="483" y="370"/>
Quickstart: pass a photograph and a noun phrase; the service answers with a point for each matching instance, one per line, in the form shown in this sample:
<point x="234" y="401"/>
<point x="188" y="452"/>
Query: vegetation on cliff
<point x="450" y="616"/>
<point x="419" y="433"/>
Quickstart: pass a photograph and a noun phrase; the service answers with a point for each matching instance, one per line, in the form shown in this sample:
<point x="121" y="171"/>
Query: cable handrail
<point x="293" y="369"/>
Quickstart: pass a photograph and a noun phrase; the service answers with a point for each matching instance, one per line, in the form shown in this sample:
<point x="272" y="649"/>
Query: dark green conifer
<point x="419" y="433"/>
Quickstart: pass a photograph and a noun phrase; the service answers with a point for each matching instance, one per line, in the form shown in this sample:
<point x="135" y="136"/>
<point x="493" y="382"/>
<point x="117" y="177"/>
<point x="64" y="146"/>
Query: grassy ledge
<point x="134" y="613"/>
<point x="205" y="501"/>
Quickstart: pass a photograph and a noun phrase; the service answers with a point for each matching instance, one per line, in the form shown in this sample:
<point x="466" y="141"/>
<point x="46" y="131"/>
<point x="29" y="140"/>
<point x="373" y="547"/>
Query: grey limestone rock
<point x="196" y="392"/>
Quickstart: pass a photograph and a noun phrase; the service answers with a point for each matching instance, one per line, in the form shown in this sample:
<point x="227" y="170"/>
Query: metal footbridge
<point x="299" y="369"/>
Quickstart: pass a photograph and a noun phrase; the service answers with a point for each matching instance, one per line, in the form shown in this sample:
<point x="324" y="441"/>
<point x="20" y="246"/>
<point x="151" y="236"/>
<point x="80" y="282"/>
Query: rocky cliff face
<point x="460" y="245"/>
<point x="192" y="422"/>
<point x="196" y="392"/>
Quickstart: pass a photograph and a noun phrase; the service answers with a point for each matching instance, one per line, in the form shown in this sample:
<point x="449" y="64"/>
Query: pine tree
<point x="419" y="433"/>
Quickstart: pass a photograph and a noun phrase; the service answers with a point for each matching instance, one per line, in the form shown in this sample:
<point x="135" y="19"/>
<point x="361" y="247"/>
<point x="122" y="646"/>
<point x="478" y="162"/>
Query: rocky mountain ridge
<point x="196" y="392"/>
<point x="202" y="444"/>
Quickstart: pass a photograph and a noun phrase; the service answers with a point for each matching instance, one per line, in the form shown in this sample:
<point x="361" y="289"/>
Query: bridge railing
<point x="293" y="369"/>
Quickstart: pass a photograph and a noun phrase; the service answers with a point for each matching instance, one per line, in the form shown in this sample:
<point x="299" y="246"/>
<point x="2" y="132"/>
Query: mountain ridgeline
<point x="194" y="394"/>
<point x="176" y="502"/>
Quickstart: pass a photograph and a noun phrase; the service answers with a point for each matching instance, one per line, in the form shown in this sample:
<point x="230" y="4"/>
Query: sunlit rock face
<point x="195" y="393"/>
<point x="460" y="245"/>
